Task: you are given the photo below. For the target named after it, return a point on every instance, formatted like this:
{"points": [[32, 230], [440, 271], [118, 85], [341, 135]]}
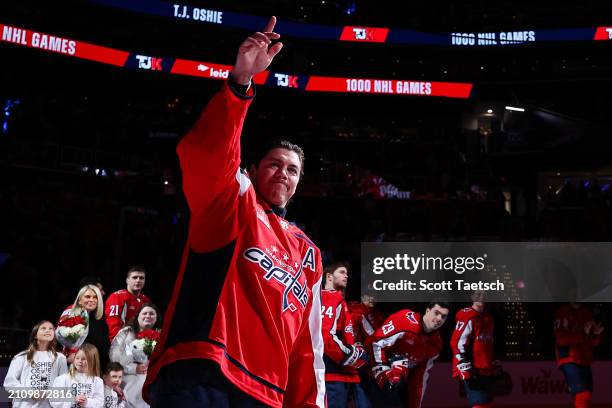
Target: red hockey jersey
{"points": [[366, 320], [120, 309], [247, 295], [401, 337], [472, 340], [573, 345], [338, 337]]}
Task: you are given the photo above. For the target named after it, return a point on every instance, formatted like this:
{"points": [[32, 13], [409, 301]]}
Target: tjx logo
{"points": [[289, 81], [362, 34], [154, 64]]}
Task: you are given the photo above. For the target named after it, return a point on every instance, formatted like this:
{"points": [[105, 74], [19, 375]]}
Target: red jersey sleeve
{"points": [[212, 180], [393, 329], [338, 337], [462, 337], [113, 310]]}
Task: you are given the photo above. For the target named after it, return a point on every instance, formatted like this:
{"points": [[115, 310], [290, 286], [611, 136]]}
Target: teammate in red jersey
{"points": [[243, 326], [121, 306], [343, 356], [404, 350], [472, 345], [366, 319], [576, 333]]}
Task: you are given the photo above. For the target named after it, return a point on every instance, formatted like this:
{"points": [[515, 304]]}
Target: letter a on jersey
{"points": [[309, 261]]}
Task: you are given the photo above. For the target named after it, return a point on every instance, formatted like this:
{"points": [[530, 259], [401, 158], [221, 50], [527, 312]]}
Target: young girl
{"points": [[84, 380], [37, 366], [134, 369]]}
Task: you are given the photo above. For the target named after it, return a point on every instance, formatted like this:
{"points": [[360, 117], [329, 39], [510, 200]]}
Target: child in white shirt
{"points": [[113, 374], [83, 379], [36, 367]]}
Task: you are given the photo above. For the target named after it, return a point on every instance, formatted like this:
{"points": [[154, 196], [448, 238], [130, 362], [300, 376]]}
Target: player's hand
{"points": [[387, 378], [142, 368], [597, 329], [465, 369], [588, 326], [256, 53], [357, 357]]}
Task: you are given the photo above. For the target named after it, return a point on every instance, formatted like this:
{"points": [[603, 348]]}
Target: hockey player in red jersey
{"points": [[243, 326], [576, 333], [121, 306], [472, 345], [343, 356], [404, 350], [366, 319]]}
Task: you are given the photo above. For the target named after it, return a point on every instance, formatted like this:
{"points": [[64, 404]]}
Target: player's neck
{"points": [[134, 292], [478, 308]]}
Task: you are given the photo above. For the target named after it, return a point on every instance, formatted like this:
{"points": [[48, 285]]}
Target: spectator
{"points": [[37, 366], [93, 280], [84, 379], [134, 369], [122, 305], [89, 299], [113, 394]]}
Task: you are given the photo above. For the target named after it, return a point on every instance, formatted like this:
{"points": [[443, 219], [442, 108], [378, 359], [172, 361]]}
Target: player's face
{"points": [[277, 176], [340, 278], [147, 317], [368, 300], [434, 318], [45, 332], [89, 300], [113, 379], [136, 281]]}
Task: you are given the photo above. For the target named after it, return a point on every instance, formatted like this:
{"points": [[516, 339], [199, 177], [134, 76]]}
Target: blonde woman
{"points": [[89, 299], [84, 379], [37, 366]]}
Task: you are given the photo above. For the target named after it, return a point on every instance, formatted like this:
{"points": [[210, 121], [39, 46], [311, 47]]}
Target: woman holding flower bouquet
{"points": [[132, 348], [83, 321], [37, 366]]}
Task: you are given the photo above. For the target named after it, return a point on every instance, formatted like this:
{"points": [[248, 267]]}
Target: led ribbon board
{"points": [[184, 12], [79, 49]]}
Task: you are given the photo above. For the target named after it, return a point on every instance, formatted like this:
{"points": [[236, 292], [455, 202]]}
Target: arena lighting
{"points": [[366, 34], [310, 83], [515, 109], [489, 110]]}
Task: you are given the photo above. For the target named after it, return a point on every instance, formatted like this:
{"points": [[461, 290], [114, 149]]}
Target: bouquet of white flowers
{"points": [[143, 346], [73, 328]]}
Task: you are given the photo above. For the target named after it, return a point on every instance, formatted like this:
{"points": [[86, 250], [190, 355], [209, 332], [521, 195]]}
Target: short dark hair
{"points": [[330, 268], [281, 144], [445, 305], [112, 366], [135, 268]]}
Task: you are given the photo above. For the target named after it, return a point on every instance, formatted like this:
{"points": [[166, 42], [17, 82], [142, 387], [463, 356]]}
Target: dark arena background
{"points": [[421, 121]]}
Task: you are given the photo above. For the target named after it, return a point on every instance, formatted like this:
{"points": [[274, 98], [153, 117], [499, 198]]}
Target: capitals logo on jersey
{"points": [[285, 275]]}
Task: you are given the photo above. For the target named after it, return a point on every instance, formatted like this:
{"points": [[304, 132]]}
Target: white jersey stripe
{"points": [[316, 337]]}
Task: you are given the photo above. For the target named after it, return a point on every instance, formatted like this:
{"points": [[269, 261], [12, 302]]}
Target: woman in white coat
{"points": [[36, 367], [122, 351]]}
